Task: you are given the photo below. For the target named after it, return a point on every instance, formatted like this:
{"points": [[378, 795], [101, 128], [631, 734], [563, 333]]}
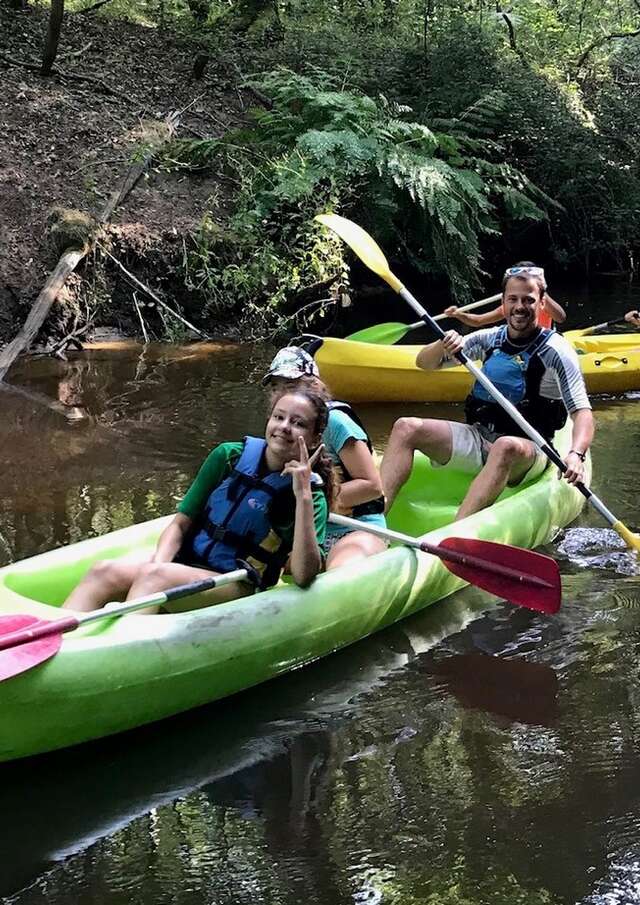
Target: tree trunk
{"points": [[53, 36]]}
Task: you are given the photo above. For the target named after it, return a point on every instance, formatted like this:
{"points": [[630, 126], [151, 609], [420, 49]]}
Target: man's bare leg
{"points": [[510, 458], [428, 435]]}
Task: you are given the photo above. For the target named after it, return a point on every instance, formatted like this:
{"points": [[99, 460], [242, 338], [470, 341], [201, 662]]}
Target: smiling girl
{"points": [[253, 502]]}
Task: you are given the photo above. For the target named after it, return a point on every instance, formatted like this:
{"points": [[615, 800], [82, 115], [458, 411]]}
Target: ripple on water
{"points": [[622, 884], [598, 548]]}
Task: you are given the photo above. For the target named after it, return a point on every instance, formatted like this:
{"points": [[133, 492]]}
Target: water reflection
{"points": [[412, 768]]}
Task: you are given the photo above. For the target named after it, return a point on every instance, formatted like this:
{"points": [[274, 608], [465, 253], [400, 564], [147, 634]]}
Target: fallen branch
{"points": [[257, 94], [13, 62], [599, 42], [134, 279], [73, 337], [92, 8], [94, 163], [142, 323], [72, 257], [70, 77], [102, 86], [41, 307], [76, 53], [137, 169]]}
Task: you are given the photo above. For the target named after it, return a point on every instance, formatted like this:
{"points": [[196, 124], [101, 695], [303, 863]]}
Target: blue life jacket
{"points": [[236, 524], [517, 373], [371, 506]]}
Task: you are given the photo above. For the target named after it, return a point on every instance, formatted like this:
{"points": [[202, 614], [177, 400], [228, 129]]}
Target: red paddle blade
{"points": [[519, 576], [19, 659]]}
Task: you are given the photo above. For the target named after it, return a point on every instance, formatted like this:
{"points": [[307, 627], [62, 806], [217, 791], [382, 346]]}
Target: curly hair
{"points": [[323, 465], [280, 385]]}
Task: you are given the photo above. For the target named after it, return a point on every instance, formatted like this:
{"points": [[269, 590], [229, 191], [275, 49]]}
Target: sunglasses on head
{"points": [[532, 271]]}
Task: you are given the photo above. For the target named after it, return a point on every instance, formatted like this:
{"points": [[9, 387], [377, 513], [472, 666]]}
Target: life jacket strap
{"points": [[220, 534], [246, 482]]}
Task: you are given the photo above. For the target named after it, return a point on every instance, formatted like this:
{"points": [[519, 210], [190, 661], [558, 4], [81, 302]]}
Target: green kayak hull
{"points": [[117, 674]]}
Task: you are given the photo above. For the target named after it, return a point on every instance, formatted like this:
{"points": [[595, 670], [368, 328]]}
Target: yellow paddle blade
{"points": [[632, 540], [363, 245]]}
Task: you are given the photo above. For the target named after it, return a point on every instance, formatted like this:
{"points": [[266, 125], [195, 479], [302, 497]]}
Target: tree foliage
{"points": [[434, 193], [462, 134]]}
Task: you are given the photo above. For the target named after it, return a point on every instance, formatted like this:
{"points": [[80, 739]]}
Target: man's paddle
{"points": [[520, 576], [26, 641], [371, 254], [387, 334]]}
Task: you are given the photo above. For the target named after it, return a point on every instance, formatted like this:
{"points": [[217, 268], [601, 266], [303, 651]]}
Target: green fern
{"points": [[435, 193]]}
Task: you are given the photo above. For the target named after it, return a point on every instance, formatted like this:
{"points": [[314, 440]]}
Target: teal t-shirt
{"points": [[339, 430], [216, 467]]}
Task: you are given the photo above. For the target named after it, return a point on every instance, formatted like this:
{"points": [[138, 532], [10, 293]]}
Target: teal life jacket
{"points": [[236, 526], [517, 373], [371, 506]]}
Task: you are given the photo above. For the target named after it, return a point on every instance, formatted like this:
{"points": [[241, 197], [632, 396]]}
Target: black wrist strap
{"points": [[580, 455]]}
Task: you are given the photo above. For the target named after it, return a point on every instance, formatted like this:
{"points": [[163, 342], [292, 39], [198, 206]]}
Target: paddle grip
{"points": [[194, 587], [161, 597], [39, 630]]}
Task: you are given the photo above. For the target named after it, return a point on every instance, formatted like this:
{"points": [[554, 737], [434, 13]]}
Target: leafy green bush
{"points": [[427, 195]]}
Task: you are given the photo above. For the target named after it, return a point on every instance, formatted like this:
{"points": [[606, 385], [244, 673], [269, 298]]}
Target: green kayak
{"points": [[116, 674]]}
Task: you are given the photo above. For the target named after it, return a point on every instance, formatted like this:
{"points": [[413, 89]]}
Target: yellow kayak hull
{"points": [[363, 372]]}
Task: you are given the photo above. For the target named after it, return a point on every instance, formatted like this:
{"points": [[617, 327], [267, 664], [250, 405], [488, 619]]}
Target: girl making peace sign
{"points": [[253, 502]]}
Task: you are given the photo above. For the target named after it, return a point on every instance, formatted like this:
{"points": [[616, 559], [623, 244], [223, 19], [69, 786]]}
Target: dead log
{"points": [[137, 169], [41, 307], [72, 256]]}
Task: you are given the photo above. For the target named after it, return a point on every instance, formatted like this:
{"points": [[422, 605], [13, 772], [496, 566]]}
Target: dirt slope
{"points": [[66, 142]]}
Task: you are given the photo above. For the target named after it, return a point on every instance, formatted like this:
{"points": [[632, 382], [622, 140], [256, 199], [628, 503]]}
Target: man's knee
{"points": [[409, 431], [507, 451]]}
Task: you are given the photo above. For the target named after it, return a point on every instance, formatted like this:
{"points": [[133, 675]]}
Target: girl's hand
{"points": [[300, 469], [632, 317], [451, 311]]}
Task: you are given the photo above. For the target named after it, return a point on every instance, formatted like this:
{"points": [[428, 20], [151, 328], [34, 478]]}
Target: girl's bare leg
{"points": [[353, 546]]}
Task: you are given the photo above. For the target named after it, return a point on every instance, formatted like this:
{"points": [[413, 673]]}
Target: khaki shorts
{"points": [[470, 445]]}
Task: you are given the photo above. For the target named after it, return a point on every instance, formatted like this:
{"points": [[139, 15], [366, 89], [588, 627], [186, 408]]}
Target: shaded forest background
{"points": [[463, 135]]}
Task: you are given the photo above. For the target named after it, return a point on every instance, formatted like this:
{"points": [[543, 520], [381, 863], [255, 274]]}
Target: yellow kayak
{"points": [[363, 372]]}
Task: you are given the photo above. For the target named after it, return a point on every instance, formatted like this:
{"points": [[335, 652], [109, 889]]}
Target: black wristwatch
{"points": [[581, 456]]}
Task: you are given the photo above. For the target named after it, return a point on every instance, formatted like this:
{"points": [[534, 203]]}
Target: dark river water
{"points": [[410, 769]]}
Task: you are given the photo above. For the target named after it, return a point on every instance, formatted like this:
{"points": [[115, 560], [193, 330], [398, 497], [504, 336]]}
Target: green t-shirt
{"points": [[216, 467]]}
